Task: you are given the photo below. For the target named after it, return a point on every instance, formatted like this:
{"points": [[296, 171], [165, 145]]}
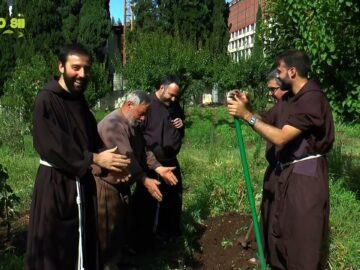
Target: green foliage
{"points": [[8, 200], [226, 243], [22, 168], [213, 183], [98, 85], [222, 180], [43, 25], [70, 11], [7, 53], [4, 9], [201, 133], [200, 23], [146, 14], [27, 79], [11, 261], [328, 31], [12, 129], [344, 217], [7, 59], [217, 36], [153, 55], [94, 27]]}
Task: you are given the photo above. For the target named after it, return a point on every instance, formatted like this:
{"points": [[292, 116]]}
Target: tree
{"points": [[204, 23], [189, 21], [95, 27], [23, 84], [217, 34], [43, 26], [329, 32], [7, 53], [146, 14], [70, 11]]}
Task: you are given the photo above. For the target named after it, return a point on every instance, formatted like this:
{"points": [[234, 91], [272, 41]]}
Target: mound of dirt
{"points": [[220, 244]]}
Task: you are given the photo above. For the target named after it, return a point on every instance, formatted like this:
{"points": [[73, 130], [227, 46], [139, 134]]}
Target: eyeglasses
{"points": [[273, 89]]}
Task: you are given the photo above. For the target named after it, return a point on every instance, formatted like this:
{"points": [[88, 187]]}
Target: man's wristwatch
{"points": [[252, 120]]}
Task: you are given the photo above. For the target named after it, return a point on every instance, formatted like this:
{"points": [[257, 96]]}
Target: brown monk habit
{"points": [[298, 218], [165, 141], [115, 218], [64, 135]]}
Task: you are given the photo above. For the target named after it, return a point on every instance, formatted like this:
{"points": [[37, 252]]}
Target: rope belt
{"points": [[80, 262], [45, 163], [284, 165]]}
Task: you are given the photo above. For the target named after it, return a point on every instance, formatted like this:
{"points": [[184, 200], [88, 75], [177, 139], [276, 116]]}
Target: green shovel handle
{"points": [[250, 192]]}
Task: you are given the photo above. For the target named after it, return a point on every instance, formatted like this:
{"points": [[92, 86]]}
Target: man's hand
{"points": [[177, 122], [238, 108], [167, 174], [120, 177], [152, 187], [111, 161], [242, 95]]}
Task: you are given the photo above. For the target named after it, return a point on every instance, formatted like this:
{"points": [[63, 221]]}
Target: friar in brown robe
{"points": [[163, 131], [121, 128], [303, 134], [280, 96], [66, 138]]}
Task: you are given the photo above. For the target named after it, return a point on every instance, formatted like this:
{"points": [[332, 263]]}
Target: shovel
{"points": [[250, 193], [244, 240]]}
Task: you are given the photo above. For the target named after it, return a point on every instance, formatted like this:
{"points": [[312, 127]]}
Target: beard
{"points": [[285, 85], [163, 99], [132, 121], [74, 85]]}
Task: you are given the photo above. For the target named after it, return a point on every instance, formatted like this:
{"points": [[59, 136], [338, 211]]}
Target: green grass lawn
{"points": [[213, 181]]}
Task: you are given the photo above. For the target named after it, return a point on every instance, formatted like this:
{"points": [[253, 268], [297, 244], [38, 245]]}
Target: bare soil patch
{"points": [[220, 243]]}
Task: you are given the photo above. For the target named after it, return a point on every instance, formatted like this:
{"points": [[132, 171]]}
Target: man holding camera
{"points": [[302, 135]]}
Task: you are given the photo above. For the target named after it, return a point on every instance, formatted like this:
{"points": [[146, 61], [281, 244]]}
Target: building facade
{"points": [[242, 24]]}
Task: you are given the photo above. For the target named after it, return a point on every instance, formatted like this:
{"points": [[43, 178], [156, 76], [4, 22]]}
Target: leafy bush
{"points": [[23, 85], [201, 133], [12, 129], [225, 136], [98, 85], [8, 200], [153, 55], [329, 32]]}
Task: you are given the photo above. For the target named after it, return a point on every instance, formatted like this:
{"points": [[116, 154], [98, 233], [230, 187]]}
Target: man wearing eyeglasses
{"points": [[302, 134], [275, 86]]}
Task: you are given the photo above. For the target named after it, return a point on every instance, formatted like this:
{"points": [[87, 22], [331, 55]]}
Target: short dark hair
{"points": [[74, 48], [295, 58], [169, 80]]}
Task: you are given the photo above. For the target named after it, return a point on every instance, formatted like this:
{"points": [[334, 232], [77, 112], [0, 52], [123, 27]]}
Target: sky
{"points": [[117, 9]]}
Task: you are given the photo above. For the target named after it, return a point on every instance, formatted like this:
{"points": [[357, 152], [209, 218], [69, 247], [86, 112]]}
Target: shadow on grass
{"points": [[180, 254], [12, 250], [174, 255], [345, 166]]}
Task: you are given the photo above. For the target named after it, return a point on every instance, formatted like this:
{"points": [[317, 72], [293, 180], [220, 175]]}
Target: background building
{"points": [[242, 24]]}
